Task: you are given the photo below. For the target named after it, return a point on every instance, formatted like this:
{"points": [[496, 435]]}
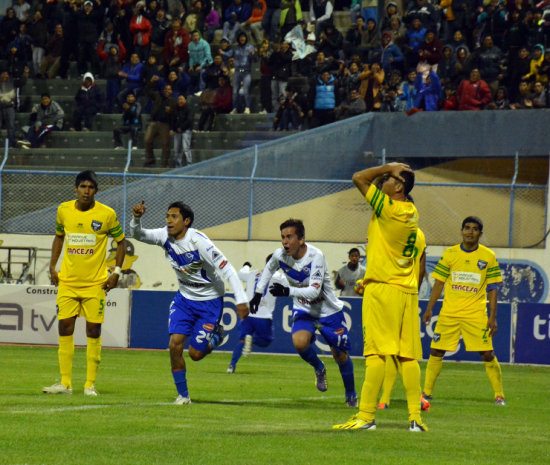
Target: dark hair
{"points": [[408, 185], [352, 250], [45, 94], [87, 175], [473, 219], [184, 209], [297, 225]]}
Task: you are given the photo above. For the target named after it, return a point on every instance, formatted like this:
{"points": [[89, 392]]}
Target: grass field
{"points": [[269, 412]]}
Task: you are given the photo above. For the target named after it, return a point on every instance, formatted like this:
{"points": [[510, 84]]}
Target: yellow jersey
{"points": [[391, 241], [85, 246], [419, 248], [466, 275]]}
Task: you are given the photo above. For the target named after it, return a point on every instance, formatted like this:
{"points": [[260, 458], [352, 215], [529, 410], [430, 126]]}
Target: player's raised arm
{"points": [[363, 179]]}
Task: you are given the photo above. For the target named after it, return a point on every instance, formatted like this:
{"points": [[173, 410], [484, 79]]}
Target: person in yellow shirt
{"points": [[470, 274], [390, 300], [82, 230]]}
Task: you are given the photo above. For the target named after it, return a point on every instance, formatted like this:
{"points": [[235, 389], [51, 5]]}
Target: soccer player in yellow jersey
{"points": [[390, 301], [470, 274], [82, 229]]}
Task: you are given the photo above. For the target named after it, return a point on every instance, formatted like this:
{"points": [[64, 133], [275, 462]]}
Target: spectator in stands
{"points": [[524, 99], [9, 90], [446, 69], [450, 101], [500, 101], [544, 72], [323, 100], [243, 55], [164, 106], [132, 72], [424, 11], [176, 45], [196, 17], [354, 105], [406, 94], [22, 11], [291, 14], [70, 31], [236, 15], [492, 21], [213, 71], [392, 10], [463, 64], [9, 28], [265, 77], [489, 60], [370, 39], [331, 42], [428, 92], [211, 23], [353, 37], [516, 34], [46, 116], [539, 95], [348, 80], [112, 66], [159, 27], [429, 53], [140, 28], [289, 114], [473, 93], [253, 25], [271, 19], [38, 32], [221, 103], [372, 78], [179, 81], [280, 65], [535, 64], [131, 122], [23, 44], [88, 24], [355, 11], [88, 102], [181, 126], [320, 12], [199, 57], [415, 36], [398, 32], [388, 54], [53, 50]]}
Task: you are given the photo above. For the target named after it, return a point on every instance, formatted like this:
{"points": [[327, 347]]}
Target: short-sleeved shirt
{"points": [[85, 245], [466, 275], [391, 241]]}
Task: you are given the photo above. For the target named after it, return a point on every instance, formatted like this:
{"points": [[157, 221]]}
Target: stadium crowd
{"points": [[422, 55]]}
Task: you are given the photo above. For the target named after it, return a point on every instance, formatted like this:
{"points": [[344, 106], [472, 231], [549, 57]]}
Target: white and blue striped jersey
{"points": [[267, 304], [199, 265], [309, 281]]}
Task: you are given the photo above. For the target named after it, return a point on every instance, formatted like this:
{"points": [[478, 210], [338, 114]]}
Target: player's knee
{"points": [[195, 354], [437, 353], [487, 356]]}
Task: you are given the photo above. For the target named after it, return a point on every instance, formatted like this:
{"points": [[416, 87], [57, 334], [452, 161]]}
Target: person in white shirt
{"points": [[201, 269]]}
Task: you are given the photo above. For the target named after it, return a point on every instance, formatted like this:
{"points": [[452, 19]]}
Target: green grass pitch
{"points": [[268, 412]]}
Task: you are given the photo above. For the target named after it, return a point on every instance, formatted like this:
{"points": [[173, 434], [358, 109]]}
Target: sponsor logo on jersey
{"points": [[208, 326], [316, 285], [80, 240], [317, 275], [222, 265], [79, 251], [339, 331], [436, 337], [464, 288], [481, 264], [96, 225], [465, 277]]}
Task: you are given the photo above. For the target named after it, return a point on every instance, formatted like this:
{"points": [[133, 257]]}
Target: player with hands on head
{"points": [[82, 229], [470, 274], [315, 306], [257, 328], [201, 268]]}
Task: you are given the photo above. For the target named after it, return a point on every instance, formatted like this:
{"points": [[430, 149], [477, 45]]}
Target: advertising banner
{"points": [[532, 344], [28, 315]]}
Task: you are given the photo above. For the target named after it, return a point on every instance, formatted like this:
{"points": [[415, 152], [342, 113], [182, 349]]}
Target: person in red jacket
{"points": [[473, 93], [140, 28], [176, 42]]}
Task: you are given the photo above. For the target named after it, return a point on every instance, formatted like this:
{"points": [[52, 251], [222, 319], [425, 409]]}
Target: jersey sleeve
{"points": [[493, 272], [315, 286], [376, 199], [443, 268], [270, 268], [149, 236], [116, 230], [59, 226]]}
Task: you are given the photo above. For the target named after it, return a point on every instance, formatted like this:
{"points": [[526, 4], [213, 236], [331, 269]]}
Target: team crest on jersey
{"points": [[481, 264], [96, 225], [208, 326], [189, 256], [339, 331], [436, 337], [317, 275], [305, 271]]}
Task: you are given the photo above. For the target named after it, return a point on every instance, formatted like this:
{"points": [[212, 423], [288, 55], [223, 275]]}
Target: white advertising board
{"points": [[28, 315]]}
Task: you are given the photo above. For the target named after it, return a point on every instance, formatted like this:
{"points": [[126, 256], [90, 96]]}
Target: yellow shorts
{"points": [[390, 322], [475, 334], [87, 302]]}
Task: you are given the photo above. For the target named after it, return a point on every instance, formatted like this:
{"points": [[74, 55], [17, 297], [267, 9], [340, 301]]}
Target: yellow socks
{"points": [[494, 374], [389, 379], [65, 353], [411, 382], [93, 357], [432, 372], [374, 377]]}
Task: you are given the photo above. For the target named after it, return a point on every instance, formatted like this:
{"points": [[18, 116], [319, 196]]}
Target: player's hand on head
{"points": [[278, 290], [255, 302], [139, 209], [396, 169]]}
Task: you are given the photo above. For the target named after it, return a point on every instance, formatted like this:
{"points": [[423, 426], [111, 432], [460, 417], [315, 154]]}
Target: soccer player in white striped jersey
{"points": [[201, 269]]}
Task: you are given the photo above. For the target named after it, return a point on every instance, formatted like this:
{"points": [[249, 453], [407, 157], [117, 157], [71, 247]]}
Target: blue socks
{"points": [[180, 380], [346, 370], [310, 356], [237, 352]]}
